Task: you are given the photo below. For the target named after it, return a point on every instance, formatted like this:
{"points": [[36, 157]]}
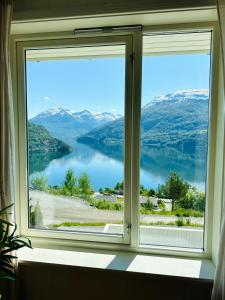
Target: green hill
{"points": [[178, 120], [40, 141]]}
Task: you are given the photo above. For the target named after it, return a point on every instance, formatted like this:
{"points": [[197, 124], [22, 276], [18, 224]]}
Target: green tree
{"points": [[142, 189], [187, 202], [151, 192], [70, 182], [40, 183], [84, 184], [175, 188], [119, 186], [108, 191], [199, 201], [193, 199], [160, 191]]}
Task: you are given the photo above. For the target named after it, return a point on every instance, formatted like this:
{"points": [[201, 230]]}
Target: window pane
{"points": [[174, 139], [76, 173]]}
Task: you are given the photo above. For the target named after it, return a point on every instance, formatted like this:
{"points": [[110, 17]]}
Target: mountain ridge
{"points": [[66, 124], [176, 120]]}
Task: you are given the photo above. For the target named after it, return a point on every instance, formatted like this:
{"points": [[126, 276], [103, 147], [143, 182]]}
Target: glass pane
{"points": [[174, 139], [75, 98]]}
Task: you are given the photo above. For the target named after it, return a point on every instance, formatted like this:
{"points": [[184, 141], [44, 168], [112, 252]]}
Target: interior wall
{"points": [[32, 9], [57, 282], [46, 281]]}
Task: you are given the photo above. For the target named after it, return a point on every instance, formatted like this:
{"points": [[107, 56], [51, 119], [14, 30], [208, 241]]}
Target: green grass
{"points": [[158, 223], [178, 212], [161, 223], [70, 224]]}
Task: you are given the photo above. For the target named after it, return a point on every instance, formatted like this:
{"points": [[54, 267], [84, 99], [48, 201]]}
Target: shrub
{"points": [[36, 216], [161, 205], [179, 222], [55, 190], [188, 222], [107, 205], [181, 212], [40, 183], [148, 205], [107, 191]]}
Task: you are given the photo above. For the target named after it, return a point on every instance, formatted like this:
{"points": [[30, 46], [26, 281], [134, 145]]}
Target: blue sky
{"points": [[98, 84]]}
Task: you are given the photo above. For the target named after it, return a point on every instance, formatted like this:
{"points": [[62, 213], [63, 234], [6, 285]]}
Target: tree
{"points": [[175, 188], [40, 183], [151, 192], [142, 189], [160, 191], [84, 184], [188, 201], [199, 201], [119, 186], [70, 182]]}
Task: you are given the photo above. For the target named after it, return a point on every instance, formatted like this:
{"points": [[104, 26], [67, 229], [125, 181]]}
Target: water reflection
{"points": [[99, 161]]}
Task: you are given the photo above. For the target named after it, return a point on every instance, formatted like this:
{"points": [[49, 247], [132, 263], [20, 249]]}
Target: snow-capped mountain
{"points": [[80, 115], [177, 120], [66, 124], [87, 115], [180, 96]]}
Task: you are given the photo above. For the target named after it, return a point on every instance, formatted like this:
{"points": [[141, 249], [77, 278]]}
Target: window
{"points": [[174, 138], [101, 161], [72, 184]]}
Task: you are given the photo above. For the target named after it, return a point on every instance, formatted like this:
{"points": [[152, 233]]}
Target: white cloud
{"points": [[46, 98]]}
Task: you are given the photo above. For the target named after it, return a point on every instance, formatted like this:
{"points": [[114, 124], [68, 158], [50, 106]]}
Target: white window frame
{"points": [[131, 242], [127, 40]]}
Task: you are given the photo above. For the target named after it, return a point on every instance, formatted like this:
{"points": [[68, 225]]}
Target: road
{"points": [[59, 209]]}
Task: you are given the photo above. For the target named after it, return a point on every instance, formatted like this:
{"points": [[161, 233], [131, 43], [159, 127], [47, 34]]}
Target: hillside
{"points": [[40, 141], [67, 125], [177, 120]]}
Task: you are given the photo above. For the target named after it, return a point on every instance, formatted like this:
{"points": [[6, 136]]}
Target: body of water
{"points": [[105, 166]]}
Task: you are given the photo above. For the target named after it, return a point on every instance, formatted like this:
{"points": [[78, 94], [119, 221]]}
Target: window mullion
{"points": [[128, 142], [136, 113]]}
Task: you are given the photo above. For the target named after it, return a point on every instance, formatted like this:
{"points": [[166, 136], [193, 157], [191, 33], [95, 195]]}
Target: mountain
{"points": [[66, 125], [40, 141], [176, 120]]}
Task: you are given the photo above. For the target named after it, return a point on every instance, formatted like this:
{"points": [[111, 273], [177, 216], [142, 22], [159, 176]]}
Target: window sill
{"points": [[148, 264]]}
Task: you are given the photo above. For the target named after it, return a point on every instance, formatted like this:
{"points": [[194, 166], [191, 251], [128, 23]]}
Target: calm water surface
{"points": [[105, 167]]}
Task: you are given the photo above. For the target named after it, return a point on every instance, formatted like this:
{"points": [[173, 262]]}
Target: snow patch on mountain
{"points": [[51, 112], [181, 96], [79, 115]]}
